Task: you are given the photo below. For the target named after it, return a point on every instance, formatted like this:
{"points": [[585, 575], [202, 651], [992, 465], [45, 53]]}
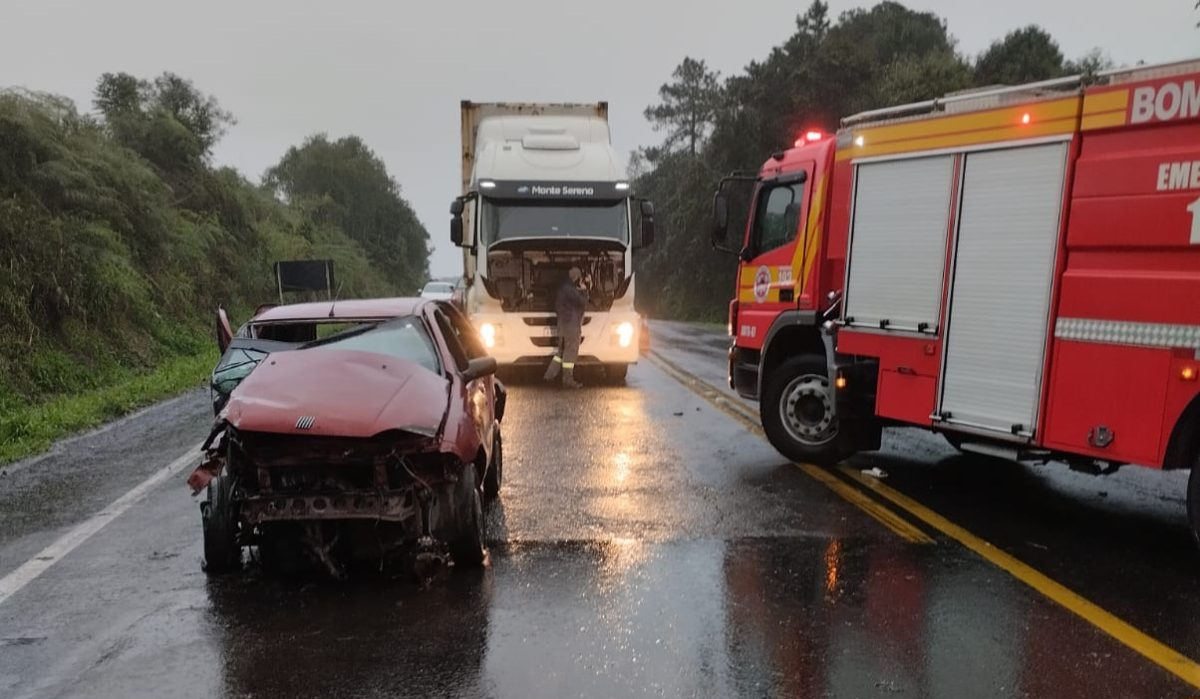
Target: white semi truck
{"points": [[542, 191]]}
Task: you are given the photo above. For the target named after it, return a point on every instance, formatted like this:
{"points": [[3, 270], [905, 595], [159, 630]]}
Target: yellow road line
{"points": [[876, 510], [1153, 650], [1150, 648], [871, 508]]}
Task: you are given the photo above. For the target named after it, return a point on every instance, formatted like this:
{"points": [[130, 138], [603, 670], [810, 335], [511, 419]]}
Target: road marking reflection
{"points": [[872, 508]]}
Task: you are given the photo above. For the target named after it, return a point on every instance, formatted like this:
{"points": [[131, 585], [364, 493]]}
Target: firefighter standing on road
{"points": [[569, 305]]}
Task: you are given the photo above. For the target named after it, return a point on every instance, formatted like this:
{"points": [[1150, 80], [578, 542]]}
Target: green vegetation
{"points": [[31, 428], [119, 238], [867, 58]]}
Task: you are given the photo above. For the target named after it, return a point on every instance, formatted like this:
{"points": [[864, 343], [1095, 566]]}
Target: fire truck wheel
{"points": [[1193, 500], [798, 413]]}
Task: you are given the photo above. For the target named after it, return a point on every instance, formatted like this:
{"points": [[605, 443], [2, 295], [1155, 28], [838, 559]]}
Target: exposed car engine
{"points": [[527, 280]]}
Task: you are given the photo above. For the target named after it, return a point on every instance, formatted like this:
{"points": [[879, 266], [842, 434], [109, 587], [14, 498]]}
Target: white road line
{"points": [[55, 552]]}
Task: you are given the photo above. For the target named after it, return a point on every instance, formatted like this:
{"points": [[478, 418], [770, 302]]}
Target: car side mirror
{"points": [[478, 368], [456, 222], [647, 228]]}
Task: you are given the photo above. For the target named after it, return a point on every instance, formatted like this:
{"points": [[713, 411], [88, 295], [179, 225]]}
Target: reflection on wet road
{"points": [[645, 544]]}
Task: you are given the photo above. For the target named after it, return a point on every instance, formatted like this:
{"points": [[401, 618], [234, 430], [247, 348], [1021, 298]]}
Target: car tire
{"points": [[495, 473], [467, 546], [797, 413], [219, 518], [614, 374]]}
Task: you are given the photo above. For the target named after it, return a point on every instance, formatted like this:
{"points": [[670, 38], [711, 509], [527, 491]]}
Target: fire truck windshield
{"points": [[506, 220]]}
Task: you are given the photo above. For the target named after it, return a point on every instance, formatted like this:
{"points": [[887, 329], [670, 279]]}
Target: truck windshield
{"points": [[507, 219]]}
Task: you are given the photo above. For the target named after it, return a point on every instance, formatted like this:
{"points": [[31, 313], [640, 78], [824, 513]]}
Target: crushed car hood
{"points": [[340, 393]]}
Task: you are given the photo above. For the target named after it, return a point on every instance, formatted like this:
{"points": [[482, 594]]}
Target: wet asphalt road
{"points": [[645, 544]]}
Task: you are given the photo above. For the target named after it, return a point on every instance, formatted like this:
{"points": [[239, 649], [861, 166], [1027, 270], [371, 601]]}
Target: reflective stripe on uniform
{"points": [[567, 365], [558, 359]]}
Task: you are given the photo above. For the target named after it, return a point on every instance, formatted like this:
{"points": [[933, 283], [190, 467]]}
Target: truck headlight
{"points": [[488, 332], [625, 334]]}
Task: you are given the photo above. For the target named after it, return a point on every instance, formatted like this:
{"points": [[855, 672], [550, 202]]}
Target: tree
{"points": [[1024, 55], [166, 119], [344, 184], [1090, 63], [867, 58], [689, 105]]}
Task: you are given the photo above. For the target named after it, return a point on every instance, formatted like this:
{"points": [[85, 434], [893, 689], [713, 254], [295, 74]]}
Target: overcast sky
{"points": [[393, 72]]}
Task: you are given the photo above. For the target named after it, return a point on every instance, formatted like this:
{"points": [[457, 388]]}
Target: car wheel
{"points": [[467, 546], [495, 472], [222, 552], [798, 414], [614, 374]]}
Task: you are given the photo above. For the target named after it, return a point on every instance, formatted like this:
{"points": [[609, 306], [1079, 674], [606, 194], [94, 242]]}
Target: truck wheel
{"points": [[222, 552], [1193, 500], [797, 412], [614, 374], [467, 546], [495, 472]]}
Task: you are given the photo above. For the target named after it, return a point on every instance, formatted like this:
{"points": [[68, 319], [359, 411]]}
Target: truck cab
{"points": [[777, 222], [543, 191]]}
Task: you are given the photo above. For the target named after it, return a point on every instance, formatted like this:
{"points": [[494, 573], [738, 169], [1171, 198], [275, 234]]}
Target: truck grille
{"points": [[542, 321], [548, 341]]}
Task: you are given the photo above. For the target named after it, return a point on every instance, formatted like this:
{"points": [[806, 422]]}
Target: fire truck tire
{"points": [[1193, 499], [222, 552], [467, 545], [797, 413]]}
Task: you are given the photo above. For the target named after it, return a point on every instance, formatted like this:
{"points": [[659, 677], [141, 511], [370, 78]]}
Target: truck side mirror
{"points": [[456, 222], [720, 218], [647, 232], [730, 210]]}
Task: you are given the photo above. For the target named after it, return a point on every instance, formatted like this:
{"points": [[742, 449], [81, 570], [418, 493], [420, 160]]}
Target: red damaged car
{"points": [[377, 442]]}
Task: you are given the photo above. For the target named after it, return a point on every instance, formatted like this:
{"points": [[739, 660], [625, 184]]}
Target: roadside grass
{"points": [[29, 429]]}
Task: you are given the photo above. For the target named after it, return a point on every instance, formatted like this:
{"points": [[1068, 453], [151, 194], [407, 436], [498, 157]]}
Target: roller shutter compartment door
{"points": [[898, 243], [1003, 266]]}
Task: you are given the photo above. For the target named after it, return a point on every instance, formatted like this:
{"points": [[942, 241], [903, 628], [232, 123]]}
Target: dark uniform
{"points": [[569, 304]]}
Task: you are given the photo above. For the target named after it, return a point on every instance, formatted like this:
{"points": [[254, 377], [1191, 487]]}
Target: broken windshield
{"points": [[402, 338]]}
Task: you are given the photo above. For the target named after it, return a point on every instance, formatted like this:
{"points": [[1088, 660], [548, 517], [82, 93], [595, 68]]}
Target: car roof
{"points": [[345, 310]]}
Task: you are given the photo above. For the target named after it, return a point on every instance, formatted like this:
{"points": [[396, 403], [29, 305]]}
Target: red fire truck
{"points": [[1017, 268]]}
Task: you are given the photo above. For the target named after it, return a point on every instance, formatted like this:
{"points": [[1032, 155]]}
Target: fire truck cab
{"points": [[1017, 268]]}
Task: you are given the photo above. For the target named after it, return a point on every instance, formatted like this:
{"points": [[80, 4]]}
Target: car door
{"points": [[224, 330], [478, 395]]}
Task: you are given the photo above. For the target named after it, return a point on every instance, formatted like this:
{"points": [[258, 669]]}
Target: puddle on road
{"points": [[759, 617]]}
